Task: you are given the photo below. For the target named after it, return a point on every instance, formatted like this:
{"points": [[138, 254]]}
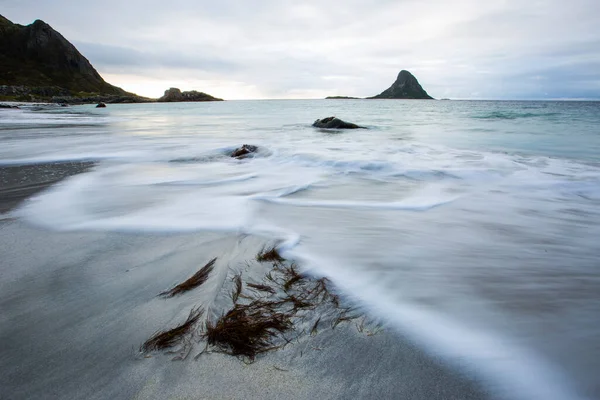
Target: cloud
{"points": [[283, 49], [130, 58]]}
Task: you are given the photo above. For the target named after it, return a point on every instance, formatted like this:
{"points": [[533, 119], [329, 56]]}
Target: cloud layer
{"points": [[503, 49]]}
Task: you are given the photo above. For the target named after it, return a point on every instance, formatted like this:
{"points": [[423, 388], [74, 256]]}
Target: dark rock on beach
{"points": [[335, 123], [242, 152], [176, 95], [405, 87]]}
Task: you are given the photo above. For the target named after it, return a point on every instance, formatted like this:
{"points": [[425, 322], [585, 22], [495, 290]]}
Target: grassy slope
{"points": [[38, 56]]}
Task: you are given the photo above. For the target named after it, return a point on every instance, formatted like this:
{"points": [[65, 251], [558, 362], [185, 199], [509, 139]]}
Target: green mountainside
{"points": [[37, 62]]}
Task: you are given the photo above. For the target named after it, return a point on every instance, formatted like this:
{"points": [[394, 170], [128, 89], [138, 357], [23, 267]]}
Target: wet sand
{"points": [[76, 306], [18, 182]]}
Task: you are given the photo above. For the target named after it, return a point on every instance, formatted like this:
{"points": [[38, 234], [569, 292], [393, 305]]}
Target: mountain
{"points": [[37, 62], [405, 87]]}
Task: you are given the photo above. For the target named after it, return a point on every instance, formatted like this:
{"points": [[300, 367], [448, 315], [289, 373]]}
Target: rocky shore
{"points": [[59, 95]]}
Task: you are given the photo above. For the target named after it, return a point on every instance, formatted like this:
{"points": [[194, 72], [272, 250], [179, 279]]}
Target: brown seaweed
{"points": [[196, 280], [172, 337], [269, 254], [261, 288], [235, 295], [248, 329]]}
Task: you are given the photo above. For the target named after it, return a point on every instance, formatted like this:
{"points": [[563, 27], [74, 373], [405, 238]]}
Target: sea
{"points": [[470, 227]]}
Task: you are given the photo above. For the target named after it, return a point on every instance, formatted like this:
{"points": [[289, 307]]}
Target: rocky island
{"points": [[176, 95], [341, 98], [405, 87]]}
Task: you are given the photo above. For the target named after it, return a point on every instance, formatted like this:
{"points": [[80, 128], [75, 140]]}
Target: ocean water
{"points": [[471, 227]]}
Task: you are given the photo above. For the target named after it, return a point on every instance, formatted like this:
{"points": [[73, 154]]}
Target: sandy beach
{"points": [[77, 306]]}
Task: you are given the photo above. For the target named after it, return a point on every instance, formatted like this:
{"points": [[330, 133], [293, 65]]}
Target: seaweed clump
{"points": [[196, 280], [269, 255], [263, 316], [271, 316], [248, 329], [167, 339]]}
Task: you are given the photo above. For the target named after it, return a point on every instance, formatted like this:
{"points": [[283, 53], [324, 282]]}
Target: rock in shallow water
{"points": [[335, 123], [101, 105], [243, 151]]}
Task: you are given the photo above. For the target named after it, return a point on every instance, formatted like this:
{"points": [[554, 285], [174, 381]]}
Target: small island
{"points": [[341, 98], [406, 86], [176, 95]]}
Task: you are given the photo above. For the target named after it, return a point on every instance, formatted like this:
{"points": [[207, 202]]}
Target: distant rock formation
{"points": [[405, 87], [335, 123], [38, 64], [176, 95], [340, 98]]}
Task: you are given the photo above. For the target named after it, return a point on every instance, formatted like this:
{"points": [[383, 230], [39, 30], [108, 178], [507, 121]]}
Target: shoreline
{"points": [[83, 302], [20, 181]]}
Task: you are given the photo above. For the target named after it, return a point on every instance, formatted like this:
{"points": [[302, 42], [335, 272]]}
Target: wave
{"points": [[49, 160], [408, 205], [209, 182], [512, 115], [524, 375], [198, 159], [43, 117]]}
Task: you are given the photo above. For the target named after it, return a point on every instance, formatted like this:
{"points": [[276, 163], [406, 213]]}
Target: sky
{"points": [[257, 49]]}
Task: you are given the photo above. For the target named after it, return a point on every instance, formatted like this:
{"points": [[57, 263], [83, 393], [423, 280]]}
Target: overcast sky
{"points": [[248, 49]]}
